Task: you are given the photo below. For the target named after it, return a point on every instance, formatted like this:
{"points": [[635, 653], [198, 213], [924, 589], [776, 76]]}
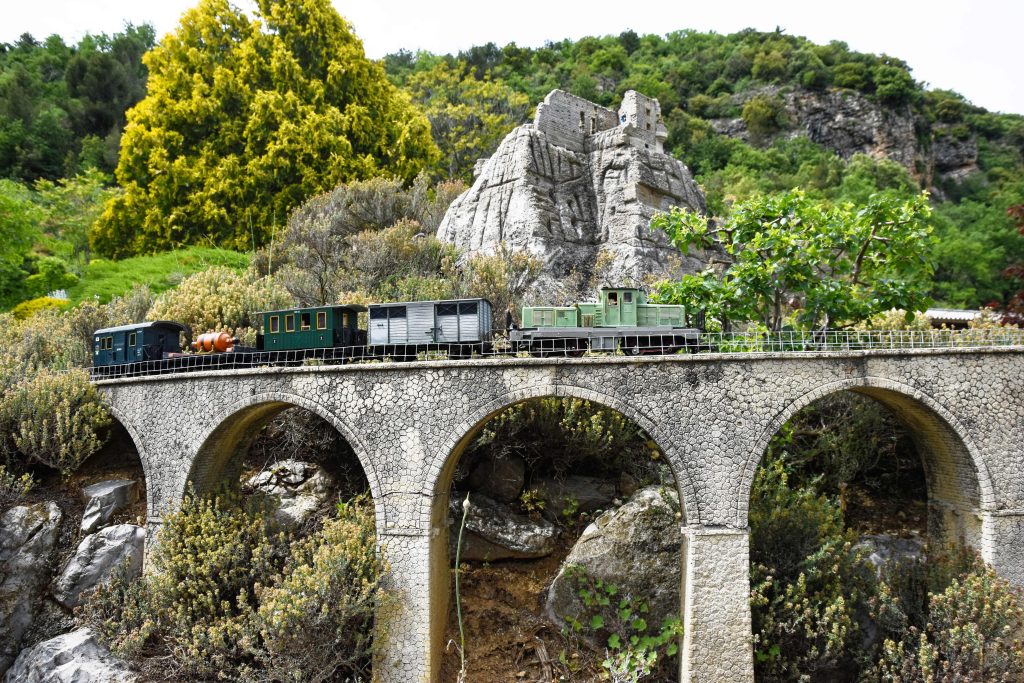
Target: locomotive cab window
{"points": [[289, 323], [108, 343], [627, 297], [321, 320], [613, 298], [132, 338], [305, 320], [274, 324]]}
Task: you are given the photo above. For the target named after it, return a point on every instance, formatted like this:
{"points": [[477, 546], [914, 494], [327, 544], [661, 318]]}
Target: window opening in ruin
{"points": [[583, 122], [593, 125]]}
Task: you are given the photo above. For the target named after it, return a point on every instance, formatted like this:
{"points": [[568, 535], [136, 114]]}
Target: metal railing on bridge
{"points": [[722, 343]]}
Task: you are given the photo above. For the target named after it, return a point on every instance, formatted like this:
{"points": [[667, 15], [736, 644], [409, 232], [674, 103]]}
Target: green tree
{"points": [[62, 107], [70, 208], [468, 116], [789, 255], [19, 221], [244, 118]]}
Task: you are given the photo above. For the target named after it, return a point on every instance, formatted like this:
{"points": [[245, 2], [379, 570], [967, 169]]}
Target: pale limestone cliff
{"points": [[579, 180]]}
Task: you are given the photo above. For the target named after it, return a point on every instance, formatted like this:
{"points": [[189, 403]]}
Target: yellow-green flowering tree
{"points": [[245, 117], [468, 116]]}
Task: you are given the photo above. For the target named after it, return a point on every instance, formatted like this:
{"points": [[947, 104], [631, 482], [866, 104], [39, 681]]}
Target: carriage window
{"points": [[447, 309], [396, 312], [321, 320], [132, 339], [275, 324], [627, 297], [108, 343], [468, 308], [378, 313], [289, 323], [613, 298], [305, 320]]}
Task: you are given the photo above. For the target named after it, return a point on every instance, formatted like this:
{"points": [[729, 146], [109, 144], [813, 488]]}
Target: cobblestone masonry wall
{"points": [[711, 415]]}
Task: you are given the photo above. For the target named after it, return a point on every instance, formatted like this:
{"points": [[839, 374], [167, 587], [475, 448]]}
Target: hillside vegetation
{"points": [[267, 163], [744, 110]]}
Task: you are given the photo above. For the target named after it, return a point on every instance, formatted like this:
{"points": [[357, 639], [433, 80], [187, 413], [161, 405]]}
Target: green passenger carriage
{"points": [[319, 327]]}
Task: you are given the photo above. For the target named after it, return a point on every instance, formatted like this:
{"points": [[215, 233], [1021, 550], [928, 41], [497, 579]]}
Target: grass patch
{"points": [[106, 279]]}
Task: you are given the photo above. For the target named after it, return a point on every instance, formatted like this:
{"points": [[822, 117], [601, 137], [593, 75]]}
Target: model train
{"points": [[621, 319]]}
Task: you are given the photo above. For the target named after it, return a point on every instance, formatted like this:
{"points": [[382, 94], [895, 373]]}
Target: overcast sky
{"points": [[971, 47]]}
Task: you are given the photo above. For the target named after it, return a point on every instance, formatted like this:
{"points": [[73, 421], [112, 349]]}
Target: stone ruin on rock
{"points": [[578, 180]]}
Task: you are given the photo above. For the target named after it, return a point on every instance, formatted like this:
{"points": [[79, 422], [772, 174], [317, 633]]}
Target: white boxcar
{"points": [[418, 323]]}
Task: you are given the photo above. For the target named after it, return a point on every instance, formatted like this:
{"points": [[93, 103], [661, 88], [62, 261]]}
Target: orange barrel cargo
{"points": [[214, 342]]}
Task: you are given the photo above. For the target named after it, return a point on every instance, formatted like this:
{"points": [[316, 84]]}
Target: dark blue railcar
{"points": [[136, 343]]}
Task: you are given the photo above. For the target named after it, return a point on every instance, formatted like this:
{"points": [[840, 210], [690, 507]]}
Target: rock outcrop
{"points": [[636, 548], [74, 657], [499, 478], [27, 536], [299, 487], [848, 122], [578, 180], [96, 559], [494, 531], [575, 493], [104, 499]]}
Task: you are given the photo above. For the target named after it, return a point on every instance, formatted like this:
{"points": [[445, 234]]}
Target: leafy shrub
{"points": [[895, 319], [55, 419], [220, 299], [27, 309], [228, 600], [196, 605], [893, 84], [763, 116], [560, 433], [633, 650], [13, 488], [972, 631], [847, 439], [503, 278], [806, 583], [317, 621], [852, 75]]}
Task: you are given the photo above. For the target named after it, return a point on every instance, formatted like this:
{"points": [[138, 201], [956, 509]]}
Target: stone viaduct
{"points": [[712, 415]]}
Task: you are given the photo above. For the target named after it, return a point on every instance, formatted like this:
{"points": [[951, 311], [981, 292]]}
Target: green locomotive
{"points": [[620, 319]]}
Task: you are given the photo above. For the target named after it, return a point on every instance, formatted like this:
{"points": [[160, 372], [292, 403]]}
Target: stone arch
{"points": [[229, 435], [444, 460], [956, 472], [441, 467], [144, 457]]}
